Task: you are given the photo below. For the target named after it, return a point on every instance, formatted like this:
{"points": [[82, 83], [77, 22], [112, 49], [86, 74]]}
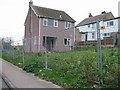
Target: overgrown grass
{"points": [[74, 69]]}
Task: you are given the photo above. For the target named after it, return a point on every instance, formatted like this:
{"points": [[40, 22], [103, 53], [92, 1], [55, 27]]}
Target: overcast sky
{"points": [[13, 12]]}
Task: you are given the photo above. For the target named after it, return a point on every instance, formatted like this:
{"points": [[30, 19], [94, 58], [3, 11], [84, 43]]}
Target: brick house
{"points": [[45, 27]]}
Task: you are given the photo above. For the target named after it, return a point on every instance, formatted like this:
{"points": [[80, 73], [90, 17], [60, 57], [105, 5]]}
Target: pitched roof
{"points": [[101, 17], [112, 19], [52, 13]]}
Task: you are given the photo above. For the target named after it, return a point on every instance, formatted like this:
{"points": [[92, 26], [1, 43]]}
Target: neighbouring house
{"points": [[108, 26], [49, 29]]}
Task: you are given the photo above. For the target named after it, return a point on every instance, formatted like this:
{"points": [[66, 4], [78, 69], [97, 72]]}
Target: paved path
{"points": [[20, 79], [4, 84]]}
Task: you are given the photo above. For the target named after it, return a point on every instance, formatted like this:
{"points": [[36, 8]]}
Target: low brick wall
{"points": [[105, 41]]}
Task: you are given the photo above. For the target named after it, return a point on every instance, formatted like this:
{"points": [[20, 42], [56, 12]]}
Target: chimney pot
{"points": [[90, 15], [103, 12], [30, 3]]}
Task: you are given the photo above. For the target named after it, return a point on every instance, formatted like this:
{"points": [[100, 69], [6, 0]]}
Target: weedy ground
{"points": [[73, 69]]}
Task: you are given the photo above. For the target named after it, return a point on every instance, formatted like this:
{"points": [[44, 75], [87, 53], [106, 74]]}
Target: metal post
{"points": [[13, 52], [99, 53], [46, 61], [23, 52]]}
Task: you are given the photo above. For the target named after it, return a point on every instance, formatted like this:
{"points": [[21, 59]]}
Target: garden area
{"points": [[73, 69]]}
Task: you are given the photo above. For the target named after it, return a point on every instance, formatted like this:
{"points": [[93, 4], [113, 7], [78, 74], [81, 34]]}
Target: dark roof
{"points": [[100, 17], [112, 19], [52, 13]]}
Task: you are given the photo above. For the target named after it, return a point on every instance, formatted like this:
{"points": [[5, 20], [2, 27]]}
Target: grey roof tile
{"points": [[52, 13], [93, 19]]}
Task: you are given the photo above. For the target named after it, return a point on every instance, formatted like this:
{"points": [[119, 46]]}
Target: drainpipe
{"points": [[46, 59], [70, 42], [39, 40]]}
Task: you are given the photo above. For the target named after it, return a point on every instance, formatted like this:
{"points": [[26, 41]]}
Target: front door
{"points": [[86, 36], [51, 42]]}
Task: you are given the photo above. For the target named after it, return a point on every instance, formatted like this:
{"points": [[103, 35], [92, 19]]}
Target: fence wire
{"points": [[78, 65]]}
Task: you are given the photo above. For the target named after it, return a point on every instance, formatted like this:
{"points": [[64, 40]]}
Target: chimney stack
{"points": [[90, 15], [30, 3], [103, 12]]}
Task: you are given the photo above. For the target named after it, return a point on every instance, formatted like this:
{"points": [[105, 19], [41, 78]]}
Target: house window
{"points": [[55, 23], [93, 26], [89, 26], [68, 25], [93, 35], [50, 22], [45, 22], [106, 34], [110, 23], [67, 41]]}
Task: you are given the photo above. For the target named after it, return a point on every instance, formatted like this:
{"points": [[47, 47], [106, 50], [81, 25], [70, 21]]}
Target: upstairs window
{"points": [[55, 23], [93, 26], [89, 26], [111, 23], [68, 25], [50, 22], [45, 21]]}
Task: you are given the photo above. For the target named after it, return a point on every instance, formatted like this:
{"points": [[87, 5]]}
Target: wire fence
{"points": [[71, 65]]}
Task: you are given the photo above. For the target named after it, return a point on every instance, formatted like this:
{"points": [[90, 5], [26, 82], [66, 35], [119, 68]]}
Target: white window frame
{"points": [[93, 26], [55, 23], [65, 25], [108, 23], [68, 25], [45, 20], [68, 41], [107, 35]]}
